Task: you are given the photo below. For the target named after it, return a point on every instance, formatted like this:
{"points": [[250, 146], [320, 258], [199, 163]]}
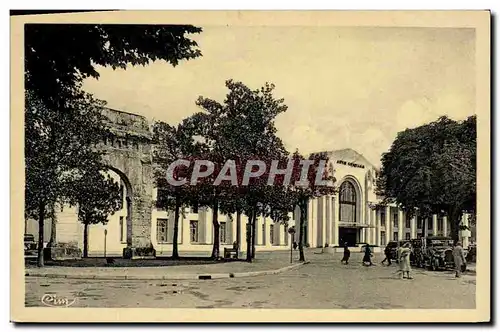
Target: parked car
{"points": [[437, 252], [30, 245], [471, 253]]}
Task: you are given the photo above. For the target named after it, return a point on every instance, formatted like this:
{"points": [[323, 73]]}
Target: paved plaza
{"points": [[324, 283]]}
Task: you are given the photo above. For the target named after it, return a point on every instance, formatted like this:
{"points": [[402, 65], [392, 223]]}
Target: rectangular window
{"points": [[407, 236], [395, 219], [440, 224], [271, 234], [419, 235], [408, 222], [222, 232], [395, 236], [382, 238], [122, 232], [193, 231], [382, 218], [429, 223], [419, 222], [161, 230]]}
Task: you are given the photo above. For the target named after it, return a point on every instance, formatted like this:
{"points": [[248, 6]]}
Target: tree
{"points": [[62, 121], [302, 193], [172, 144], [58, 57], [59, 147], [241, 129], [97, 196], [432, 169]]}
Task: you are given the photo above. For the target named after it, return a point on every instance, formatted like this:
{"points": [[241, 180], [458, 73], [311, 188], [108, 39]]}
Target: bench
{"points": [[230, 253]]}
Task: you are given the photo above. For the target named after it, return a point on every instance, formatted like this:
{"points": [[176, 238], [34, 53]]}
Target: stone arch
{"points": [[132, 160]]}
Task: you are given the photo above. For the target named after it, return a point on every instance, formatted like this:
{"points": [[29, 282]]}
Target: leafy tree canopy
{"points": [[58, 57], [432, 168]]}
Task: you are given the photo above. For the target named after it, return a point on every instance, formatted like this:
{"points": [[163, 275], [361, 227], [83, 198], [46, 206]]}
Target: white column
{"points": [[373, 223], [389, 229], [445, 225], [434, 224], [335, 221], [413, 227], [401, 225], [310, 223], [328, 222], [378, 227], [323, 220]]}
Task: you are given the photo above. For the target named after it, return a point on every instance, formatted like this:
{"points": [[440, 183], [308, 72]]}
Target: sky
{"points": [[344, 87]]}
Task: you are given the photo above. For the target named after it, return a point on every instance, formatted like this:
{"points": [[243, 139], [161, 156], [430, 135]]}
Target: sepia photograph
{"points": [[280, 161]]}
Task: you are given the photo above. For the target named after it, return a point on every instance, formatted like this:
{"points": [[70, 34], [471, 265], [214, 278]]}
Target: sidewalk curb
{"points": [[167, 277]]}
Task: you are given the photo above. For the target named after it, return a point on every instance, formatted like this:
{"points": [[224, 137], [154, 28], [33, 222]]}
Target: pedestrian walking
{"points": [[387, 253], [367, 258], [347, 254], [459, 259], [404, 260]]}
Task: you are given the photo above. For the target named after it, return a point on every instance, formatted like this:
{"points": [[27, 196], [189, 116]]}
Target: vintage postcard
{"points": [[250, 166]]}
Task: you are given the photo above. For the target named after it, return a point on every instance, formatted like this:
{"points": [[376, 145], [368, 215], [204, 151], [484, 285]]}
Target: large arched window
{"points": [[347, 202]]}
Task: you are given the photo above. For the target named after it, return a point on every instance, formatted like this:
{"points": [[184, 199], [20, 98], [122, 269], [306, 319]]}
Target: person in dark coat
{"points": [[387, 253], [367, 258], [347, 254]]}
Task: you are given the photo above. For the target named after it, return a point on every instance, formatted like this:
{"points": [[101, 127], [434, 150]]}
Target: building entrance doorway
{"points": [[348, 235]]}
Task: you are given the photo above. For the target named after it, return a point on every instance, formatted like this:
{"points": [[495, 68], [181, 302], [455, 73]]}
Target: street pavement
{"points": [[324, 283]]}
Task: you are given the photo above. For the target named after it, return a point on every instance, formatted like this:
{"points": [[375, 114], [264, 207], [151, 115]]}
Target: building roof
{"points": [[352, 156]]}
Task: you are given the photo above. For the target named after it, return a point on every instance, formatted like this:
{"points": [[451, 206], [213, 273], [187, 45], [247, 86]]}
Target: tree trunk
{"points": [[85, 240], [238, 229], [175, 246], [41, 213], [254, 230], [53, 230], [249, 237], [302, 257], [455, 216], [215, 222]]}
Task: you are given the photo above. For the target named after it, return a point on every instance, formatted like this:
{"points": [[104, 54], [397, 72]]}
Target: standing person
{"points": [[367, 258], [347, 254], [458, 259], [387, 253], [404, 260]]}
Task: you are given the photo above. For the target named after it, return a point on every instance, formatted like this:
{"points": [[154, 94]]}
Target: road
{"points": [[322, 284]]}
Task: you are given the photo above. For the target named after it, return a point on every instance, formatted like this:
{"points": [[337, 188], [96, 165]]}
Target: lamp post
{"points": [[291, 231]]}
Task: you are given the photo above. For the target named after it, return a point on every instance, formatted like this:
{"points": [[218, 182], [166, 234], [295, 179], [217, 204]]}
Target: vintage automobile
{"points": [[30, 245], [471, 253], [437, 252]]}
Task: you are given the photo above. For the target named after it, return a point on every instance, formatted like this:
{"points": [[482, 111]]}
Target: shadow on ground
{"points": [[122, 262]]}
